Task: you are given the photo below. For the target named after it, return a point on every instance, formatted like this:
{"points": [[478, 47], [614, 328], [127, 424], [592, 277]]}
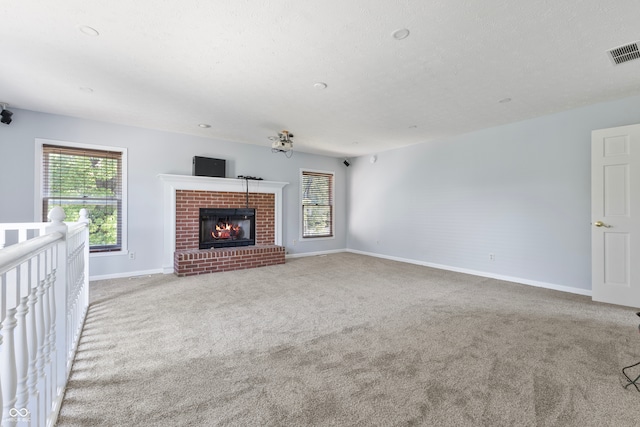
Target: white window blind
{"points": [[317, 204], [76, 178]]}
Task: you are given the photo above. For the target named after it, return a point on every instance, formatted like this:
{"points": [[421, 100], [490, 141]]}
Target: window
{"points": [[75, 177], [317, 204]]}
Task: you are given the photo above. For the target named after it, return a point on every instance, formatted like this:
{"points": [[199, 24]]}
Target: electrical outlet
{"points": [[294, 242], [492, 257], [132, 255]]}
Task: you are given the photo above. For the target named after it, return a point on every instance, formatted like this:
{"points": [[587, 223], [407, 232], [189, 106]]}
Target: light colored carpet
{"points": [[349, 340]]}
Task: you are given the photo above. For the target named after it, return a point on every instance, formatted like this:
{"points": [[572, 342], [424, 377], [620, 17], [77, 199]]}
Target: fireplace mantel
{"points": [[233, 185]]}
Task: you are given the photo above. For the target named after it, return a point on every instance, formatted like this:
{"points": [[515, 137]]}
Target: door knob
{"points": [[601, 224]]}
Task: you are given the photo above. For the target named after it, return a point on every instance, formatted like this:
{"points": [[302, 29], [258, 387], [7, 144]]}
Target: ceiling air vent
{"points": [[625, 53]]}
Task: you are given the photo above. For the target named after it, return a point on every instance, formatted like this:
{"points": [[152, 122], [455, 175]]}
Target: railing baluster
{"points": [[3, 310], [46, 349], [40, 335], [52, 337], [22, 349], [8, 354], [32, 338], [1, 406]]}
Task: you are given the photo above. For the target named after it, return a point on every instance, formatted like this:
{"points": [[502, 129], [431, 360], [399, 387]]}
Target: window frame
{"points": [[302, 237], [39, 187]]}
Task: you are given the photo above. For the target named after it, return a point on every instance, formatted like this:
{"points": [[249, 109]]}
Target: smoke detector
{"points": [[622, 54]]}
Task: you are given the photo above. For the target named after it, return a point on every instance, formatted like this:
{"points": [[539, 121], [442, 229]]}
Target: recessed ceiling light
{"points": [[86, 89], [204, 125], [320, 85], [504, 100], [400, 34], [89, 31]]}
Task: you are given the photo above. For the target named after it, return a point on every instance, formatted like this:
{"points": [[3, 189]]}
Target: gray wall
{"points": [[151, 153], [520, 191]]}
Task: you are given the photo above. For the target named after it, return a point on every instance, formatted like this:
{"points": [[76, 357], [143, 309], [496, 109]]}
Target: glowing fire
{"points": [[226, 231]]}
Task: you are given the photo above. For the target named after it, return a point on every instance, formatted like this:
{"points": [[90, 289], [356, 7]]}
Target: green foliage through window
{"points": [[76, 178]]}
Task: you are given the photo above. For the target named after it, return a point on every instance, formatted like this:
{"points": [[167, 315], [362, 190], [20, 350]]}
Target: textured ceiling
{"points": [[248, 68]]}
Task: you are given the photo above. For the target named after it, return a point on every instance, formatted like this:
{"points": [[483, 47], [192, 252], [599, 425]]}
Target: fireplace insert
{"points": [[221, 228]]}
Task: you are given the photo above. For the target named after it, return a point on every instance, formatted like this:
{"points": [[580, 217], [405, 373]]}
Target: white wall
{"points": [[151, 153], [520, 191]]}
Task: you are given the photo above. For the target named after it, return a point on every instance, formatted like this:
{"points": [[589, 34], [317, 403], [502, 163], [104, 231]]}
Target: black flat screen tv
{"points": [[206, 166]]}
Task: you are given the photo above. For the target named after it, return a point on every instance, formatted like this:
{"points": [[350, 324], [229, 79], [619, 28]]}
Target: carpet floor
{"points": [[348, 340]]}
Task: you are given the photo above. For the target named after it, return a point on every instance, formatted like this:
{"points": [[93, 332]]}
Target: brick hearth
{"points": [[189, 263], [189, 260]]}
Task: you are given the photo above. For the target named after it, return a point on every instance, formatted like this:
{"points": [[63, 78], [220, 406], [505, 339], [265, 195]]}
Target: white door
{"points": [[615, 215]]}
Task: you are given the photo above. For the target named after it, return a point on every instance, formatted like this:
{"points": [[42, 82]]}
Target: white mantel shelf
{"points": [[202, 183]]}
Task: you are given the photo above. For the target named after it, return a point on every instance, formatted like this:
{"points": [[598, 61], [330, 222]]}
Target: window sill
{"points": [[108, 254], [315, 239]]}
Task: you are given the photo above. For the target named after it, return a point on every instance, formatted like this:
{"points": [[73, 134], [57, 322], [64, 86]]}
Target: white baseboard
{"points": [[305, 254], [124, 275], [553, 286]]}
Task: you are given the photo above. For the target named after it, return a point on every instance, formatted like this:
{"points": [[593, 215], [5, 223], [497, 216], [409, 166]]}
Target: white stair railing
{"points": [[20, 231], [44, 296]]}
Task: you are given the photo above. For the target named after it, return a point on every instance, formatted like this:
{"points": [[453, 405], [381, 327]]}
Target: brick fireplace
{"points": [[185, 195]]}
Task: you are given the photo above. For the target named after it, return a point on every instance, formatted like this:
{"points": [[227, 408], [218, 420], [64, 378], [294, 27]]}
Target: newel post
{"points": [[56, 217], [84, 216]]}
